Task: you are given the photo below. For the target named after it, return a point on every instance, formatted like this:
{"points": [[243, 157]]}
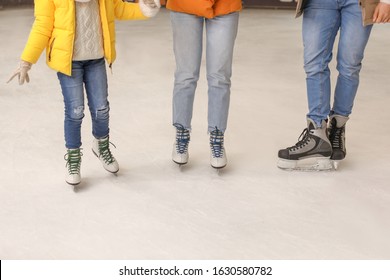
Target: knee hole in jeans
{"points": [[76, 113], [103, 112]]}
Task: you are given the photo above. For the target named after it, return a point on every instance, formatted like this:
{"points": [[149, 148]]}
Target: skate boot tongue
{"points": [[338, 121], [336, 132], [312, 125]]}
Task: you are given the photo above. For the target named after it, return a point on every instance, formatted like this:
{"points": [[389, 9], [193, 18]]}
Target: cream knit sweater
{"points": [[88, 42]]}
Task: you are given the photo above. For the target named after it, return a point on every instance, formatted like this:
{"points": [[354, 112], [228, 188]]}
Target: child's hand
{"points": [[150, 3], [21, 72], [149, 8], [382, 13]]}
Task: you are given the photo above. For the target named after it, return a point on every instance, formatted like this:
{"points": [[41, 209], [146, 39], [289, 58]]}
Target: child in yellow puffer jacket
{"points": [[79, 35]]}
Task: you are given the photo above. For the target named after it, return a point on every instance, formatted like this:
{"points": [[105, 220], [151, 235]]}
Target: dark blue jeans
{"points": [[92, 75]]}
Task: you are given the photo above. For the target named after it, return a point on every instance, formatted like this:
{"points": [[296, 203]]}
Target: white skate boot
{"points": [[101, 149], [218, 158], [72, 167], [180, 147]]}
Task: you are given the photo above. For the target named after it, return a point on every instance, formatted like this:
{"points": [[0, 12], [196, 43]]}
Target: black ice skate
{"points": [[336, 131], [312, 151]]}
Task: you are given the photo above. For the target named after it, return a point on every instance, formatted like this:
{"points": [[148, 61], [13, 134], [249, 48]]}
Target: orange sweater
{"points": [[205, 8]]}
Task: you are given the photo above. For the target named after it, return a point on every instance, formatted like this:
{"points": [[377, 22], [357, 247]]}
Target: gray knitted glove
{"points": [[149, 8]]}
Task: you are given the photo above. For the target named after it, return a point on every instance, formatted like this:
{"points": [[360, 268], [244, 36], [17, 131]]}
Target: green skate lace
{"points": [[182, 139], [216, 143], [104, 151], [73, 161]]}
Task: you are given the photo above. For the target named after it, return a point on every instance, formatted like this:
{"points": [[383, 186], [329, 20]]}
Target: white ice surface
{"points": [[154, 210]]}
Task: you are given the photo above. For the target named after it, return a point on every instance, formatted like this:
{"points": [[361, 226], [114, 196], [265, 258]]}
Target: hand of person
{"points": [[21, 72], [382, 13], [149, 8]]}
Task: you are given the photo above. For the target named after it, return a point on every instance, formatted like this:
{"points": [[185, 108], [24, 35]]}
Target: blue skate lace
{"points": [[216, 143], [182, 139], [73, 161], [104, 151]]}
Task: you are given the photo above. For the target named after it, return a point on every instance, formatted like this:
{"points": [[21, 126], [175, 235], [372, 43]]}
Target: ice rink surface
{"points": [[154, 210]]}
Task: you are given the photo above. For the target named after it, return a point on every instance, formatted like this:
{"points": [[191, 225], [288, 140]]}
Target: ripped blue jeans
{"points": [[92, 75]]}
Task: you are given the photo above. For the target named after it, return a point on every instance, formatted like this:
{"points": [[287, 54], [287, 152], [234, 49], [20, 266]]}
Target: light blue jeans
{"points": [[322, 19], [221, 33], [92, 74]]}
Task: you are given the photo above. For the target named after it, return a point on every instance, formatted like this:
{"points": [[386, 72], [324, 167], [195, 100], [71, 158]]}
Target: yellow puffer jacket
{"points": [[205, 8], [54, 29]]}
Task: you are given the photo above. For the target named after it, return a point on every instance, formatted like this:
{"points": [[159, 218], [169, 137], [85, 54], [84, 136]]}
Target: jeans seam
{"points": [[332, 31]]}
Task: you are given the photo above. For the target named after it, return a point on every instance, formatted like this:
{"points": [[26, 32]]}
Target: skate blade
{"points": [[115, 173], [75, 186], [219, 170], [336, 164], [180, 164], [310, 164]]}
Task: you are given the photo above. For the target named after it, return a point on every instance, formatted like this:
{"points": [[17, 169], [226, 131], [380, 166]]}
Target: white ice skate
{"points": [[218, 157], [101, 149], [72, 167], [180, 153]]}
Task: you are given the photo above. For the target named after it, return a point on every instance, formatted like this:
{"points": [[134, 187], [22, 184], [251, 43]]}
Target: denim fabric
{"points": [[92, 75], [221, 33], [322, 20]]}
